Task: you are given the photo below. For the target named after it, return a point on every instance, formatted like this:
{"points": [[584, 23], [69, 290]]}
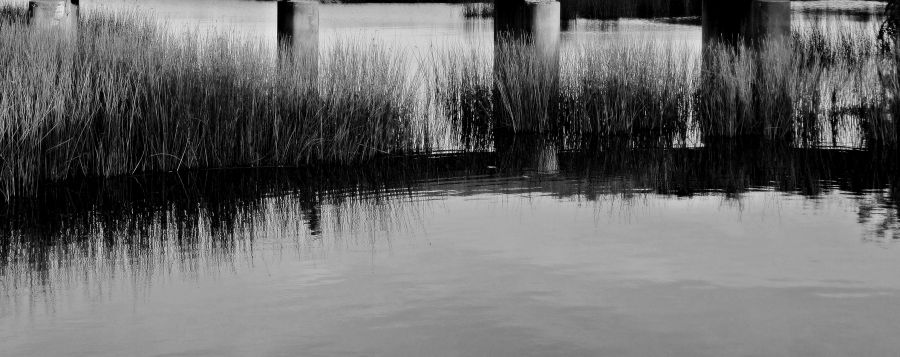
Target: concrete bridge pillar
{"points": [[746, 23], [526, 63], [298, 33], [750, 20], [534, 21], [53, 13]]}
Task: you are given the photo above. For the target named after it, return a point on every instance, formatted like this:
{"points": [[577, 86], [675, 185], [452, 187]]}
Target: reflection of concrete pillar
{"points": [[49, 13], [546, 159], [298, 32], [751, 20], [527, 152], [535, 24]]}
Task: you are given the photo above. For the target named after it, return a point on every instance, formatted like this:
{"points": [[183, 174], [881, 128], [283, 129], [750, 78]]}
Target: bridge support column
{"points": [[526, 64], [768, 112], [298, 34], [534, 21], [751, 20]]}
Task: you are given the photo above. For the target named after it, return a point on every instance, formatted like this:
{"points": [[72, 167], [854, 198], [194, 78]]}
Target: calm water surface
{"points": [[713, 251], [689, 252]]}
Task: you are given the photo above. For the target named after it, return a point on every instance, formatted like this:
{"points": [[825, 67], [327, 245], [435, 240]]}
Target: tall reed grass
{"points": [[460, 88], [124, 96], [526, 87], [632, 89], [820, 81], [813, 87], [746, 91]]}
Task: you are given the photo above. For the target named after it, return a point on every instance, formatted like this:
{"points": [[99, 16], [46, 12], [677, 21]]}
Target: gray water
{"points": [[723, 251], [715, 251]]}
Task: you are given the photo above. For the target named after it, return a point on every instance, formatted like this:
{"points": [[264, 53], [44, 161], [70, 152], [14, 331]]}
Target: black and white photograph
{"points": [[449, 178]]}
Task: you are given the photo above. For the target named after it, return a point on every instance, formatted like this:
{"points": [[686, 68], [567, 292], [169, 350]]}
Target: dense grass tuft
{"points": [[812, 88], [526, 87], [124, 96], [633, 89], [746, 92], [460, 89]]}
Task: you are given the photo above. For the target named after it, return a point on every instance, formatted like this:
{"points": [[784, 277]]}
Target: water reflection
{"points": [[407, 243], [560, 244], [149, 223]]}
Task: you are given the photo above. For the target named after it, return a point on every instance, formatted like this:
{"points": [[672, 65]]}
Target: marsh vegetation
{"points": [[172, 188], [811, 88], [123, 96], [191, 221]]}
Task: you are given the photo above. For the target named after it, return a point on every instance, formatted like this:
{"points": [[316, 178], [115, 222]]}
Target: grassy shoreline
{"points": [[807, 88], [124, 97]]}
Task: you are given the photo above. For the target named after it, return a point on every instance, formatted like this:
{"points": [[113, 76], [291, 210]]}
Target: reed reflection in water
{"points": [[203, 221], [404, 245], [608, 233]]}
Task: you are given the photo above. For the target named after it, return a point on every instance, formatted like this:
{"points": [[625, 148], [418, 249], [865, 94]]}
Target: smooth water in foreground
{"points": [[719, 250]]}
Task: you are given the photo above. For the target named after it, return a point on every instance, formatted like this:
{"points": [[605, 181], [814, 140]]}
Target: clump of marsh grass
{"points": [[789, 88], [882, 125], [633, 89], [526, 86], [838, 69], [10, 13], [745, 92], [369, 99], [812, 88], [461, 87], [828, 42], [616, 89], [124, 96]]}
